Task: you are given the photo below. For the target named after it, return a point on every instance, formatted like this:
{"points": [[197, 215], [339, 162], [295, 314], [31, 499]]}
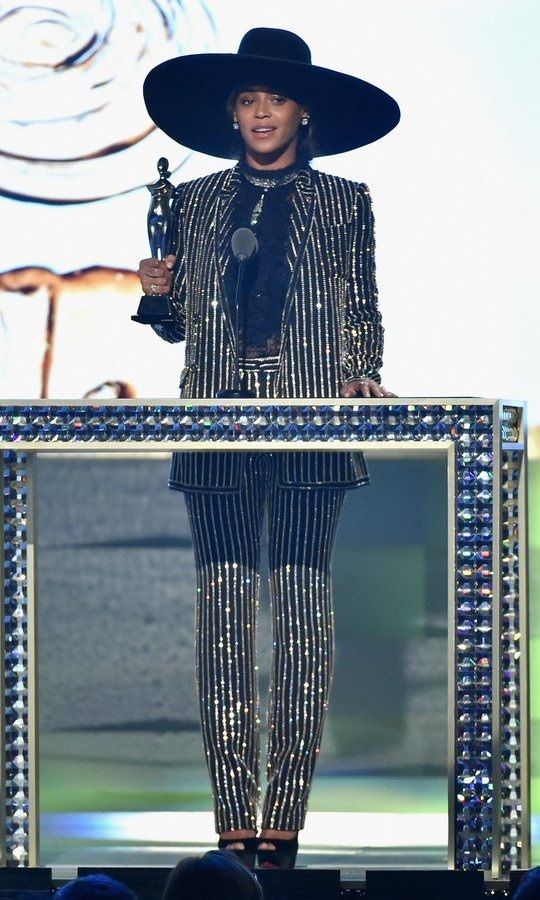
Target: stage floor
{"points": [[382, 822], [354, 821], [351, 842]]}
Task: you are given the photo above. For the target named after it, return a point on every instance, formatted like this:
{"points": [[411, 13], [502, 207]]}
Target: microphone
{"points": [[244, 244]]}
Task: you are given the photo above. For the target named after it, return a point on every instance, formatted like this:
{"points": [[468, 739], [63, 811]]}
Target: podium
{"points": [[484, 444]]}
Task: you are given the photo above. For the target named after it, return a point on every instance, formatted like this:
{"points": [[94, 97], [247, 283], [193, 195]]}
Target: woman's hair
{"points": [[218, 875], [307, 134], [90, 887], [529, 886]]}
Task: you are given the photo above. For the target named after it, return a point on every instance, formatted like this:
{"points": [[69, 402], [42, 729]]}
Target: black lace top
{"points": [[263, 203]]}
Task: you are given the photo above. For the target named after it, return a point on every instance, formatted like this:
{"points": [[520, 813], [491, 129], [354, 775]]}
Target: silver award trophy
{"points": [[155, 308]]}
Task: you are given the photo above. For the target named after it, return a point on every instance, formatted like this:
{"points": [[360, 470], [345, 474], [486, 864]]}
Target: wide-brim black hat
{"points": [[187, 97]]}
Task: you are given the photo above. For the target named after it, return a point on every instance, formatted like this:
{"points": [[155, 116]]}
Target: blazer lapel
{"points": [[301, 221], [222, 246]]}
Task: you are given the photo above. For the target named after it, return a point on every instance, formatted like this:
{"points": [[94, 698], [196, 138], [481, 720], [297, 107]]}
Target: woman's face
{"points": [[268, 123]]}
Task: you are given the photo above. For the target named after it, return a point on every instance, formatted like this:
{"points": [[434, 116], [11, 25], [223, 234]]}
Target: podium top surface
{"points": [[252, 401], [270, 424]]}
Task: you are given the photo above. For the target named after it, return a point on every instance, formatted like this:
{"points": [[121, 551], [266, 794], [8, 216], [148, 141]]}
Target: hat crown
{"points": [[275, 43]]}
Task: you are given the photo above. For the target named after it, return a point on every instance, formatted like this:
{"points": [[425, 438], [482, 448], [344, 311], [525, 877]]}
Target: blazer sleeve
{"points": [[176, 330], [363, 330]]}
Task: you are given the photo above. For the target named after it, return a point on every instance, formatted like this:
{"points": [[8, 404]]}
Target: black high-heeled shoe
{"points": [[283, 857], [247, 855]]}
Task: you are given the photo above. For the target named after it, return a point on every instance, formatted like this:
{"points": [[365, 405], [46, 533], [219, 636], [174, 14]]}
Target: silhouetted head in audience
{"points": [[94, 887], [529, 886], [218, 875]]}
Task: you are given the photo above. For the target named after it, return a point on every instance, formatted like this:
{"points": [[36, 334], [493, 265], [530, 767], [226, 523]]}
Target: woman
{"points": [[309, 326]]}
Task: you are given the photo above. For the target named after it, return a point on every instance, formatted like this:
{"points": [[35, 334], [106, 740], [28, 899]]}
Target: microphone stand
{"points": [[237, 392]]}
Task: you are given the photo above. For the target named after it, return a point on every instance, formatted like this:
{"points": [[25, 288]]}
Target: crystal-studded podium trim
{"points": [[487, 785], [17, 750], [228, 423], [514, 763]]}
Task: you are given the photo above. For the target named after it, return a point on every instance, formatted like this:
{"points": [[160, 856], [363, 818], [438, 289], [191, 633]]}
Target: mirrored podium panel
{"points": [[119, 734], [429, 707]]}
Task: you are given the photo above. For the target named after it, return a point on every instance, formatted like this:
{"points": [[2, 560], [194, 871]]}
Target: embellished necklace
{"points": [[266, 181], [257, 209]]}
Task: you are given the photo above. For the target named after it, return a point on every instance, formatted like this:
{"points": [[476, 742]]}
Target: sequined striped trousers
{"points": [[226, 531]]}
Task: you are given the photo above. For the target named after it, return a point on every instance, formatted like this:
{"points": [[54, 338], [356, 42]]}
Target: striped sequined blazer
{"points": [[331, 326]]}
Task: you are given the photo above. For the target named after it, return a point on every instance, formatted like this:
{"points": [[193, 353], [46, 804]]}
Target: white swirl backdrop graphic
{"points": [[74, 124]]}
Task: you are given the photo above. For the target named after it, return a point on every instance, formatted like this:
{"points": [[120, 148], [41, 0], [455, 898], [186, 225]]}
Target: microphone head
{"points": [[244, 244]]}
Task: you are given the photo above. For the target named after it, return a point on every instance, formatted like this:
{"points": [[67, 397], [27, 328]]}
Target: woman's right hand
{"points": [[156, 275]]}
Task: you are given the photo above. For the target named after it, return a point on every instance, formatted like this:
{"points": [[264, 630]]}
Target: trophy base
{"points": [[154, 309], [152, 320]]}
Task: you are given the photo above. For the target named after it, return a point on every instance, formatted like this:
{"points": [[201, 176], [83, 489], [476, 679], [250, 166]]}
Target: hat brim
{"points": [[186, 97]]}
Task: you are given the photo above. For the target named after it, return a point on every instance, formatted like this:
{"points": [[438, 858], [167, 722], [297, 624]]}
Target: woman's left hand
{"points": [[364, 387]]}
